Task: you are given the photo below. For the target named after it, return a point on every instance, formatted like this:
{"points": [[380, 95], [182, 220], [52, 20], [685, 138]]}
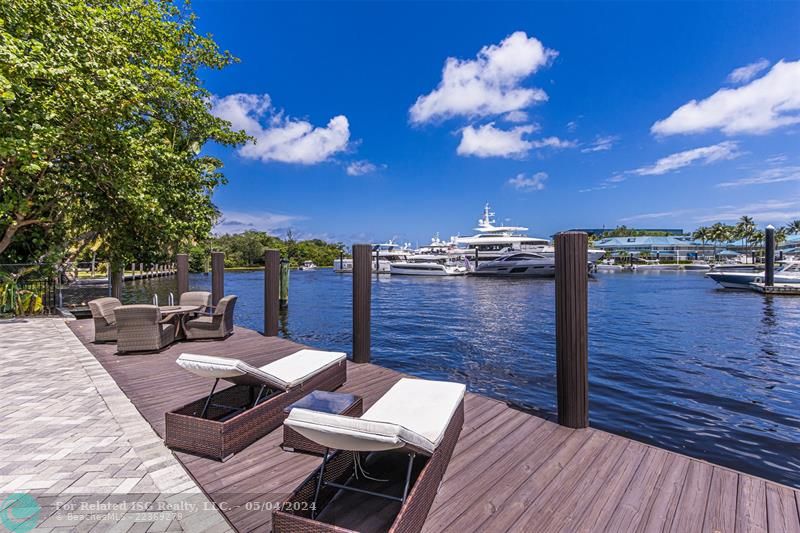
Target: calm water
{"points": [[674, 361]]}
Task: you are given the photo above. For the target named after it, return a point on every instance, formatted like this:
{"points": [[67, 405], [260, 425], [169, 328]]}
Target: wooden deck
{"points": [[511, 471]]}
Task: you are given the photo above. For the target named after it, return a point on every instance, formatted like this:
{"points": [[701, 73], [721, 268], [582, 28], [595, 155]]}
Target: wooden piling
{"points": [[217, 276], [769, 250], [572, 338], [115, 279], [284, 289], [272, 272], [182, 261], [362, 300]]}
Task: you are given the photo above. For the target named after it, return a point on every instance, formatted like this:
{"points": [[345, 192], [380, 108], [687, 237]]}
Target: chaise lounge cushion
{"points": [[282, 374], [414, 412], [298, 367]]}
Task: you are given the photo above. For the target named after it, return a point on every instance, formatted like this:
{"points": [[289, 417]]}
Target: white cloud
{"points": [[706, 154], [239, 221], [653, 216], [534, 183], [572, 125], [767, 211], [516, 116], [283, 139], [747, 72], [763, 105], [553, 142], [359, 168], [770, 175], [764, 212], [488, 141], [601, 144], [488, 84]]}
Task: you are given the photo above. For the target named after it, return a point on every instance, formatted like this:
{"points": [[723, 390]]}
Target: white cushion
{"points": [[282, 374], [298, 367], [227, 368], [413, 411]]}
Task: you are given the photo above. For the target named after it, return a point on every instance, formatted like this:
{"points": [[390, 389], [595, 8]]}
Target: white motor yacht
{"points": [[518, 264], [430, 265], [738, 278], [308, 265], [491, 241]]}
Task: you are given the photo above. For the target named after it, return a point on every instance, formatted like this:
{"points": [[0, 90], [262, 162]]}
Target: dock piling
{"points": [[272, 271], [769, 250], [572, 339], [217, 277], [115, 278], [284, 292], [182, 261], [362, 300]]}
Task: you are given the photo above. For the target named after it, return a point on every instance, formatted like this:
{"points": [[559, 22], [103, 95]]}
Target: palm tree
{"points": [[719, 233], [793, 228], [703, 233], [744, 230]]}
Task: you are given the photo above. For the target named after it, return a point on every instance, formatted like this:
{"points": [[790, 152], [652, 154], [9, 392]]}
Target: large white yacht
{"points": [[492, 242]]}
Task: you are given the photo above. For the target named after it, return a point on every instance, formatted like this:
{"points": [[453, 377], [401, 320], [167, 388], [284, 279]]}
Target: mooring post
{"points": [[377, 260], [341, 260], [769, 249], [217, 277], [476, 259], [572, 338], [272, 273], [115, 278], [362, 300], [284, 293], [182, 261]]}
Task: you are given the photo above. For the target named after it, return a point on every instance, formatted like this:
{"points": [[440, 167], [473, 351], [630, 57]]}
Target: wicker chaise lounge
{"points": [[420, 419], [216, 326], [105, 323], [225, 422], [141, 329]]}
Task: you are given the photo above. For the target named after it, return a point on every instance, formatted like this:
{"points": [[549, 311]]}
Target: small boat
{"points": [[518, 264], [308, 265], [741, 278]]}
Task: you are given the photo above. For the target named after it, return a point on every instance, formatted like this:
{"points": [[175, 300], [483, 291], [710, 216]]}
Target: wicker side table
{"points": [[336, 403]]}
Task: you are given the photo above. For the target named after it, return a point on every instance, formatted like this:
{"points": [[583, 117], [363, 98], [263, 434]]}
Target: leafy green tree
{"points": [[102, 121]]}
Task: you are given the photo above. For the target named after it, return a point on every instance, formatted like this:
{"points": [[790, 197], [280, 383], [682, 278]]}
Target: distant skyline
{"points": [[401, 120]]}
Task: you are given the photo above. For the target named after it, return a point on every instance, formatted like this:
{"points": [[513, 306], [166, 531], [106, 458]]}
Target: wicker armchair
{"points": [[140, 329], [198, 298], [105, 324], [216, 326]]}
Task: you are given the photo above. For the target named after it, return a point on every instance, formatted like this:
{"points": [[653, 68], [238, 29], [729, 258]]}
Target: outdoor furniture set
{"points": [[149, 328]]}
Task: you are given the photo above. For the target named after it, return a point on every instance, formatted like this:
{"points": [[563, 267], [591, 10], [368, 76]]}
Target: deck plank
{"points": [[510, 471], [721, 507]]}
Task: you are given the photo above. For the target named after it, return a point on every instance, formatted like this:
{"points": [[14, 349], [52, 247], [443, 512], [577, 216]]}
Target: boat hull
{"points": [[519, 271], [424, 269]]}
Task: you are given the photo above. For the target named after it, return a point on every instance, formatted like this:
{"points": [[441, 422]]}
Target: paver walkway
{"points": [[71, 439]]}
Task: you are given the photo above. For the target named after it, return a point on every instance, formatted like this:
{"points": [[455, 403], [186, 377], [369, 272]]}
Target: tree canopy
{"points": [[102, 121], [247, 249]]}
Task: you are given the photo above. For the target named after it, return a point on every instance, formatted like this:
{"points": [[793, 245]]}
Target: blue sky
{"points": [[560, 115]]}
